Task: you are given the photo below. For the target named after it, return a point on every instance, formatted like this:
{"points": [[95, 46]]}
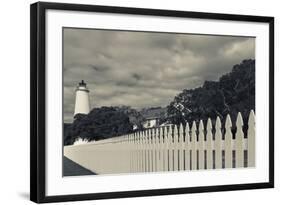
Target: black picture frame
{"points": [[38, 101]]}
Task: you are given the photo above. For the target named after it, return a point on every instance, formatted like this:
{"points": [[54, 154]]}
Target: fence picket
{"points": [[175, 149], [251, 139], [228, 142], [143, 148], [181, 148], [239, 138], [151, 160], [170, 150], [134, 148], [193, 146], [201, 147], [156, 154], [158, 149], [209, 151], [137, 153], [166, 150], [161, 150], [154, 149], [131, 151], [187, 147], [150, 157], [218, 144], [146, 160]]}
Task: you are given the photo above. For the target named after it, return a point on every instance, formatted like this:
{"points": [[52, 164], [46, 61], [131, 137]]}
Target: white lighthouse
{"points": [[82, 101]]}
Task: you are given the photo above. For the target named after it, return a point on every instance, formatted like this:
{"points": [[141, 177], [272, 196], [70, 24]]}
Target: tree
{"points": [[233, 93], [100, 123]]}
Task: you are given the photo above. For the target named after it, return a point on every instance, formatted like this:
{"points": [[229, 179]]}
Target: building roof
{"points": [[153, 113]]}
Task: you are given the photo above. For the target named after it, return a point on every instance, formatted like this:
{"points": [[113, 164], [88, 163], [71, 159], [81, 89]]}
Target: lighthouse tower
{"points": [[82, 101]]}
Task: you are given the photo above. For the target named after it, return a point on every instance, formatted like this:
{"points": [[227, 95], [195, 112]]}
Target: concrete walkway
{"points": [[71, 168]]}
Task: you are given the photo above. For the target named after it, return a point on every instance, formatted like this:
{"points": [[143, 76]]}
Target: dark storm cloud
{"points": [[144, 69]]}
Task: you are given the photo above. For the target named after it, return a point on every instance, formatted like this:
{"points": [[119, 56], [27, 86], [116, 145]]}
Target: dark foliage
{"points": [[135, 117], [233, 93], [100, 123]]}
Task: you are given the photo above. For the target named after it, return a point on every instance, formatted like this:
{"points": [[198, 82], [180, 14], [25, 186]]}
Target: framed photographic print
{"points": [[129, 102]]}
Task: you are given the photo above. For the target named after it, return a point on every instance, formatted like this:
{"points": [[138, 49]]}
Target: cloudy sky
{"points": [[142, 69]]}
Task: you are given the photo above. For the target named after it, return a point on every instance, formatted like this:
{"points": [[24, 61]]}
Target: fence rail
{"points": [[171, 148]]}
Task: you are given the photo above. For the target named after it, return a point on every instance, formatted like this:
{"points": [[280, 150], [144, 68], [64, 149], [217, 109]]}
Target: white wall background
{"points": [[14, 81]]}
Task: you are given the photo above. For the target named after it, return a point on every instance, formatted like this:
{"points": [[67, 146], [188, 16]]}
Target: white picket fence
{"points": [[171, 148]]}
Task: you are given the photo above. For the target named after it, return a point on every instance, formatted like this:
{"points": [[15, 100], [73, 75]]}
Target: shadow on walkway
{"points": [[71, 168]]}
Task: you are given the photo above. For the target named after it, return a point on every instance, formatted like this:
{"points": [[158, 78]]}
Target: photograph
{"points": [[150, 102], [134, 102]]}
